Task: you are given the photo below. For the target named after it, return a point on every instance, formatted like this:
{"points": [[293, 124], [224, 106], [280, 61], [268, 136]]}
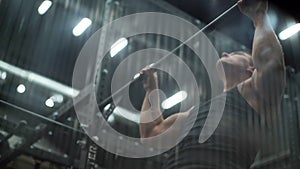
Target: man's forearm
{"points": [[151, 114], [151, 108], [266, 46]]}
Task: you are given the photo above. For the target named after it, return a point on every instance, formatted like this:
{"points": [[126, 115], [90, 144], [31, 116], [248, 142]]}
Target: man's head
{"points": [[238, 66]]}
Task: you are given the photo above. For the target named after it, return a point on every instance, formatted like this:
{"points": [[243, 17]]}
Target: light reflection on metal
{"points": [[40, 80]]}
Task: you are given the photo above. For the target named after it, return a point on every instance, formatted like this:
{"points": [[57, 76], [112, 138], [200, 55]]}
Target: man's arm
{"points": [[151, 115], [269, 77], [152, 122]]}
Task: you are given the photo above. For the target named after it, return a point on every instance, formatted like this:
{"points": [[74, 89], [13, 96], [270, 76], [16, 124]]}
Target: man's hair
{"points": [[249, 57]]}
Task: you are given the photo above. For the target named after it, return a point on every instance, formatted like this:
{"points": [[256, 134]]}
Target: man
{"points": [[254, 86]]}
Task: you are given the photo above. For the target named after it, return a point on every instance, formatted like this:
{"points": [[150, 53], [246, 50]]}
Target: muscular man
{"points": [[254, 85]]}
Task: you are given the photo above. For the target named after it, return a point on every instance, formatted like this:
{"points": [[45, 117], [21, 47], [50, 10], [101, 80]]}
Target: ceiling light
{"points": [[81, 26], [290, 31], [49, 102], [129, 115], [107, 107], [44, 7], [57, 98], [118, 46], [3, 75], [21, 88], [173, 100], [50, 133]]}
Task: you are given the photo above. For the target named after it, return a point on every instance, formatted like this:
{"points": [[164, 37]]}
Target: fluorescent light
{"points": [[54, 99], [38, 79], [53, 85], [290, 31], [173, 100], [49, 102], [44, 7], [81, 26], [129, 115], [118, 46], [21, 88], [107, 107]]}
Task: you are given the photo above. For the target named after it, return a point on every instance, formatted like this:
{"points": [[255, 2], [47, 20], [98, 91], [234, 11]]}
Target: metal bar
{"points": [[40, 129], [46, 156], [12, 154]]}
